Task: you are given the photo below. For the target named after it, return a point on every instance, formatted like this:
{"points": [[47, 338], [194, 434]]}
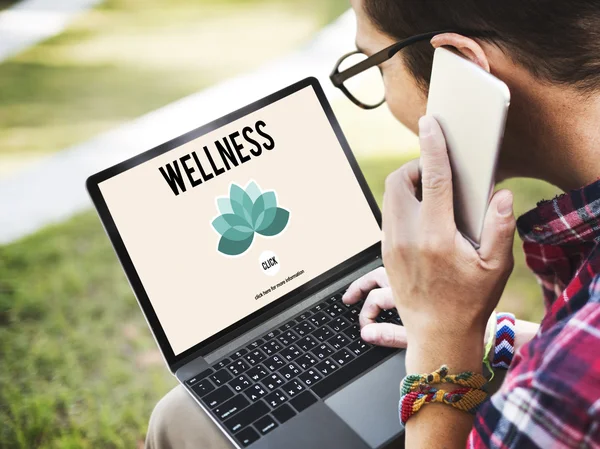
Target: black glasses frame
{"points": [[338, 78]]}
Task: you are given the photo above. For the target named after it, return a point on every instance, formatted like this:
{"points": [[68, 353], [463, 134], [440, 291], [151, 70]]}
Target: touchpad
{"points": [[369, 405]]}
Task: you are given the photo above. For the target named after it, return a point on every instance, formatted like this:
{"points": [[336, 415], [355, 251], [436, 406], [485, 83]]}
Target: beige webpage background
{"points": [[195, 290]]}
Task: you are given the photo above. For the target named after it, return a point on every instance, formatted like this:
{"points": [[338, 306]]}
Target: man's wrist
{"points": [[458, 353]]}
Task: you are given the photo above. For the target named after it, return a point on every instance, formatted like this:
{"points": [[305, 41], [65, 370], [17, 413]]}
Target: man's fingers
{"points": [[498, 230], [377, 300], [360, 288], [436, 175], [384, 334]]}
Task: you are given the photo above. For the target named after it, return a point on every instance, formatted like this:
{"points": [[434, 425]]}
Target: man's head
{"points": [[545, 50]]}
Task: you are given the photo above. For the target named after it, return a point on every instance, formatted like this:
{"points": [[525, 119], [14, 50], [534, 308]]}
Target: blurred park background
{"points": [[78, 366]]}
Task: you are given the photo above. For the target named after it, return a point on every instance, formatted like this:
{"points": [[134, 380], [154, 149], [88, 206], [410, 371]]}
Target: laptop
{"points": [[239, 239]]}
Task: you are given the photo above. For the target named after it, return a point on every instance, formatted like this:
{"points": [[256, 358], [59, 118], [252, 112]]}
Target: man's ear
{"points": [[465, 45]]}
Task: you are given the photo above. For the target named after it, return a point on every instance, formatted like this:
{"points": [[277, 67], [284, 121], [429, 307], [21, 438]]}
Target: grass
{"points": [[128, 57], [79, 366]]}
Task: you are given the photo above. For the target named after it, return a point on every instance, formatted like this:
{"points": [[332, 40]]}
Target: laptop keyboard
{"points": [[258, 388]]}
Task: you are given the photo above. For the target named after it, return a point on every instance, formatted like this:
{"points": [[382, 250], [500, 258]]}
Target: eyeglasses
{"points": [[367, 90]]}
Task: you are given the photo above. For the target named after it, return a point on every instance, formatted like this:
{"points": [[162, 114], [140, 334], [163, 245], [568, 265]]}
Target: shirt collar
{"points": [[571, 218]]}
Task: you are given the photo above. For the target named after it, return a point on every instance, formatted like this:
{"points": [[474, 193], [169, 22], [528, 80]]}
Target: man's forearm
{"points": [[440, 425]]}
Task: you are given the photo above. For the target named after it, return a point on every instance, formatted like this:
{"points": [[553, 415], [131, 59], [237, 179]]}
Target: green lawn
{"points": [[79, 366], [127, 57]]}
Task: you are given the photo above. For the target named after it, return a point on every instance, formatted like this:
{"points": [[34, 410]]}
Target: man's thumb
{"points": [[384, 334], [498, 229]]}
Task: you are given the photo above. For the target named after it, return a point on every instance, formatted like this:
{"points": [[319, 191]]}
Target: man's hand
{"points": [[443, 288], [374, 286]]}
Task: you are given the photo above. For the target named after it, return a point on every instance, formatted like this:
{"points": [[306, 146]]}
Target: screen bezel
{"points": [[269, 310]]}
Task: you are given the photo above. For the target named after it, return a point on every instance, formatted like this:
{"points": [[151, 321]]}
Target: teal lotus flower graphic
{"points": [[245, 212]]}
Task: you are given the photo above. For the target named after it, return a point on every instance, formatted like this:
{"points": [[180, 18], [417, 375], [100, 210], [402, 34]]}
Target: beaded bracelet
{"points": [[413, 382], [505, 340], [465, 399]]}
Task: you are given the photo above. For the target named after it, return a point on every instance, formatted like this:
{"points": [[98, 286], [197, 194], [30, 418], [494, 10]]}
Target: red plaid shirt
{"points": [[550, 397]]}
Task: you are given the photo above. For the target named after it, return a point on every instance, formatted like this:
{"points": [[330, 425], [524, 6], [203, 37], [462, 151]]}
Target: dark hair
{"points": [[556, 40]]}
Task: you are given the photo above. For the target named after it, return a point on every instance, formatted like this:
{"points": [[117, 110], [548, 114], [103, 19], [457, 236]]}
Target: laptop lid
{"points": [[231, 223]]}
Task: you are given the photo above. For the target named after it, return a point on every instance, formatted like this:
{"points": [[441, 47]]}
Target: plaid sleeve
{"points": [[550, 397]]}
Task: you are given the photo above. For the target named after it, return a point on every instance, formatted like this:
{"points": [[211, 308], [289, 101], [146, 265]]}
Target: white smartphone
{"points": [[471, 106]]}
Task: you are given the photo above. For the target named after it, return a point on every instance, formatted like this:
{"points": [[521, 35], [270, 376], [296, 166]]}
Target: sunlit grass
{"points": [[129, 57]]}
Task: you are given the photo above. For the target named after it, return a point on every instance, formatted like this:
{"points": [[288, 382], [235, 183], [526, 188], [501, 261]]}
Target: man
{"points": [[548, 53]]}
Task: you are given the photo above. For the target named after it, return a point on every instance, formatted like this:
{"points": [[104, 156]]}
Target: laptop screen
{"points": [[225, 224]]}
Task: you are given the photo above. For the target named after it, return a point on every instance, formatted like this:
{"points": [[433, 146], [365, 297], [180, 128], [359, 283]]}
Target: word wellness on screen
{"points": [[227, 153]]}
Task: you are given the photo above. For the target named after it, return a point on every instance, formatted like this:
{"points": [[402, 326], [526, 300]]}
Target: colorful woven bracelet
{"points": [[414, 382], [465, 399], [504, 348]]}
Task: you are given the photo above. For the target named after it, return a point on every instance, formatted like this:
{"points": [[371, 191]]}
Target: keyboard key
{"points": [[257, 373], [271, 335], [247, 436], [287, 338], [303, 401], [310, 377], [283, 413], [218, 396], [276, 398], [304, 328], [293, 388], [338, 324], [352, 315], [238, 367], [203, 387], [307, 343], [222, 364], [342, 357], [255, 392], [304, 316], [246, 416], [322, 351], [274, 363], [331, 299], [290, 353], [254, 357], [359, 347], [319, 319], [334, 310], [345, 374], [200, 376], [322, 334], [255, 344], [240, 383], [326, 367], [353, 332], [287, 326], [306, 361], [265, 424], [273, 381], [221, 377], [238, 354], [290, 371], [338, 342], [271, 347], [318, 307], [231, 407]]}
